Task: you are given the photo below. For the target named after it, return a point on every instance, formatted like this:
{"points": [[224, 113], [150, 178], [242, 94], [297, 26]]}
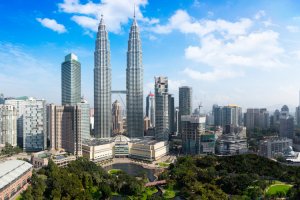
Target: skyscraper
{"points": [[64, 127], [171, 114], [8, 125], [102, 84], [70, 80], [134, 84], [185, 102], [257, 118], [117, 120], [161, 108], [150, 108], [286, 127]]}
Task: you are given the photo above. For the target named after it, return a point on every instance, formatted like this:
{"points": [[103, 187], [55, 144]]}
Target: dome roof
{"points": [[121, 139]]}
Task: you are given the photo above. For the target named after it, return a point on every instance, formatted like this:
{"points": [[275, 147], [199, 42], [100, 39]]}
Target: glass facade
{"points": [[70, 80], [102, 84], [134, 84]]}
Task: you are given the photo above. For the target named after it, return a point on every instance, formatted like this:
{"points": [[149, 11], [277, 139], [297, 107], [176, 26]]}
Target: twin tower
{"points": [[103, 79]]}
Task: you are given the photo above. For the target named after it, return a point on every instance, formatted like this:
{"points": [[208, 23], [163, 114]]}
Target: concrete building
{"points": [[134, 84], [102, 84], [14, 178], [64, 126], [150, 109], [2, 99], [147, 149], [117, 119], [185, 103], [273, 147], [147, 124], [161, 108], [177, 121], [257, 118], [41, 159], [232, 143], [85, 119], [207, 143], [8, 125], [286, 127], [35, 126], [193, 126], [70, 80], [227, 115]]}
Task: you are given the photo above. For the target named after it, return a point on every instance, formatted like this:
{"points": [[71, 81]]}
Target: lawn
{"points": [[278, 187], [114, 171], [163, 164]]}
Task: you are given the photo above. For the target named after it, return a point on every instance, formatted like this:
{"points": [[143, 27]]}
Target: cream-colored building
{"points": [[41, 159], [98, 150]]}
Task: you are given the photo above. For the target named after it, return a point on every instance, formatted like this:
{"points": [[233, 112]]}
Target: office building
{"points": [[227, 115], [134, 84], [8, 125], [2, 99], [102, 84], [15, 178], [64, 126], [257, 118], [70, 80], [146, 124], [150, 108], [286, 127], [185, 103], [193, 126], [35, 126], [207, 143], [85, 119], [161, 108], [273, 147], [20, 104], [117, 119], [176, 120], [171, 114]]}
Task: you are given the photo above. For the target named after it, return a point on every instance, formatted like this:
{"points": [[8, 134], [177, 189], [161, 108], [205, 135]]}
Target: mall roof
{"points": [[10, 170]]}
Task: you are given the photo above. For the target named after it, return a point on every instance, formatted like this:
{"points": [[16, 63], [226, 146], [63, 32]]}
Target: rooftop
{"points": [[11, 170]]}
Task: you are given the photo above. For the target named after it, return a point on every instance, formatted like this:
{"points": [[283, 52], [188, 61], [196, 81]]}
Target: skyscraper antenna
{"points": [[134, 10]]}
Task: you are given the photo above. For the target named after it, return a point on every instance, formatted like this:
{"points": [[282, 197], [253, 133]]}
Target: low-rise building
{"points": [[14, 178], [98, 150], [41, 159], [231, 144], [273, 147]]}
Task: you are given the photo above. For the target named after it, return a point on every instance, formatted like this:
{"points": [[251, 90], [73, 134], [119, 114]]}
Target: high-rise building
{"points": [[297, 113], [171, 113], [70, 80], [31, 122], [35, 126], [150, 108], [8, 125], [185, 102], [102, 84], [193, 126], [134, 84], [64, 126], [85, 130], [286, 127], [117, 120], [176, 120], [227, 115], [257, 118], [161, 108], [2, 99]]}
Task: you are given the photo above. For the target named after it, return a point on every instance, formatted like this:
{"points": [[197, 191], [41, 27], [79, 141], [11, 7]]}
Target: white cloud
{"points": [[263, 51], [213, 75], [183, 22], [175, 84], [23, 74], [259, 14], [293, 29], [116, 13], [52, 24]]}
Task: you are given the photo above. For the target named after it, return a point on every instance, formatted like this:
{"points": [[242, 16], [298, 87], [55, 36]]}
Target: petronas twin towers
{"points": [[102, 84]]}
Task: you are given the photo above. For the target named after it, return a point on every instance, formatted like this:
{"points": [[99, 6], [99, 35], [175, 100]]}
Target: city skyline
{"points": [[258, 26]]}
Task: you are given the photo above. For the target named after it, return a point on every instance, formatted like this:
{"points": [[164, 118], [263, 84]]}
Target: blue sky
{"points": [[234, 51]]}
